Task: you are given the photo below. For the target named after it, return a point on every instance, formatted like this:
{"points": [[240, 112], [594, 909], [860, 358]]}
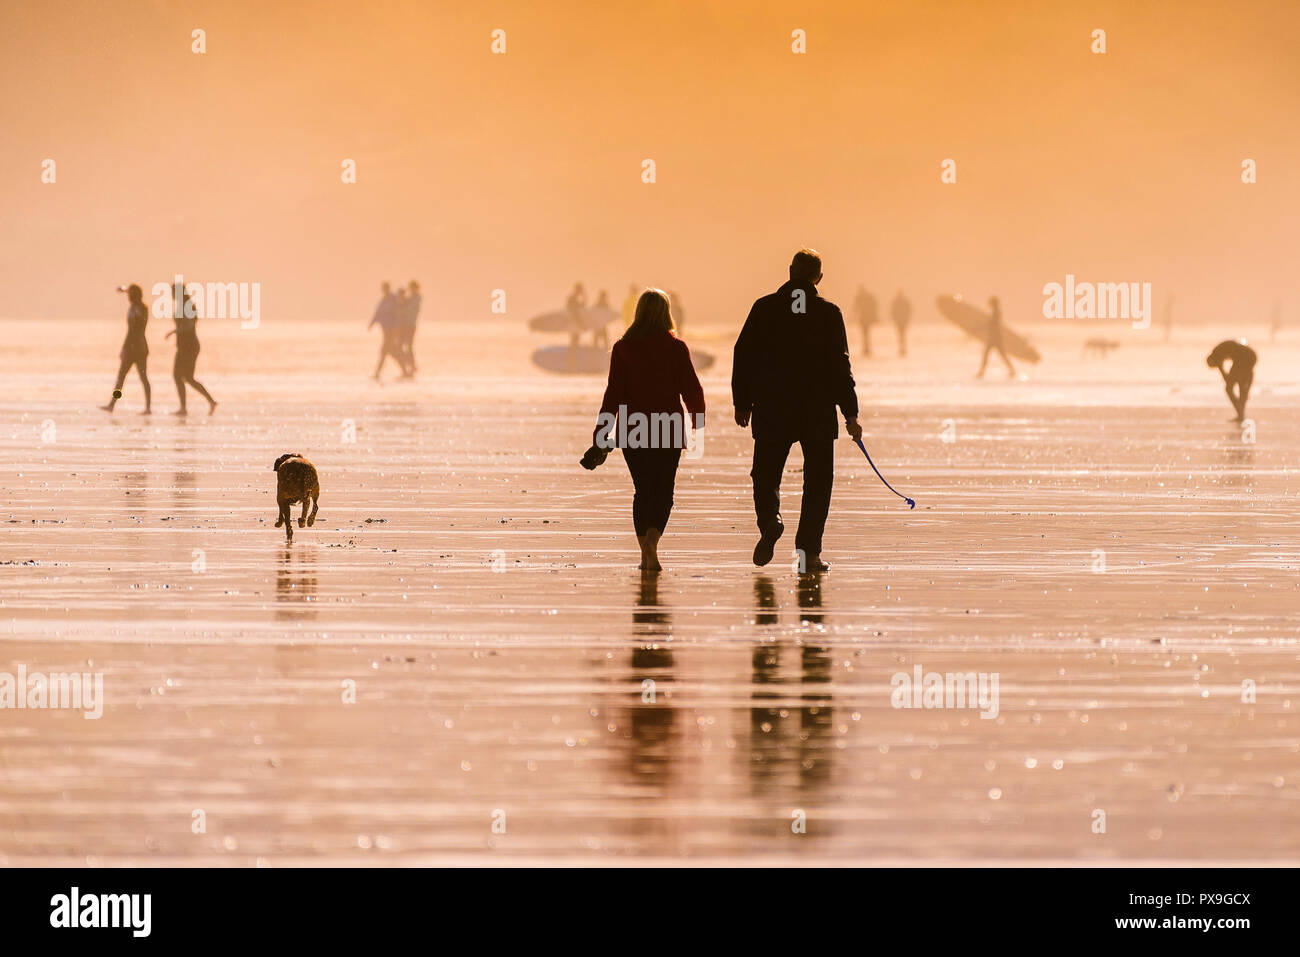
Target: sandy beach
{"points": [[460, 662]]}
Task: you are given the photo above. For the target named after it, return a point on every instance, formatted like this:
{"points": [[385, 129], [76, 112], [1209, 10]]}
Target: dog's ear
{"points": [[281, 460]]}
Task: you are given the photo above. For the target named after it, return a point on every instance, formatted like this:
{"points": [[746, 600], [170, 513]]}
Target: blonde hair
{"points": [[653, 314]]}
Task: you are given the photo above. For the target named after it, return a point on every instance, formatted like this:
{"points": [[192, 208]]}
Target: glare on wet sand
{"points": [[460, 662]]}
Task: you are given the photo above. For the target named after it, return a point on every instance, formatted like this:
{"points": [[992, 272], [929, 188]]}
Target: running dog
{"points": [[298, 482]]}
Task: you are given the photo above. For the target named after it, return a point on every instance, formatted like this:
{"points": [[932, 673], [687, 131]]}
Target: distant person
{"points": [[864, 305], [901, 312], [576, 306], [993, 341], [385, 318], [679, 314], [1167, 318], [791, 369], [1275, 323], [135, 349], [1240, 373], [408, 312], [629, 305], [187, 349], [400, 302], [600, 334], [650, 374]]}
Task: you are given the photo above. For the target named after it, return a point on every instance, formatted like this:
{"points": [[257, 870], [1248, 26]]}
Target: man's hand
{"points": [[855, 430], [742, 417]]}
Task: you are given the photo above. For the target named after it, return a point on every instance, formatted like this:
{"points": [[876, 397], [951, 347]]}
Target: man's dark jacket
{"points": [[791, 367]]}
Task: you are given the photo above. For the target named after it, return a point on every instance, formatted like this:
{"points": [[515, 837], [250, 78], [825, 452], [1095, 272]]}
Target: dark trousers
{"points": [[654, 473], [818, 478]]}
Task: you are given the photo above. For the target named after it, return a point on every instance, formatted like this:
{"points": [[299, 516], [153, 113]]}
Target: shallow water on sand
{"points": [[1099, 536]]}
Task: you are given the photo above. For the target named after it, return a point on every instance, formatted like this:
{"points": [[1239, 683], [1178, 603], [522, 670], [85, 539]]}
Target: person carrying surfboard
{"points": [[599, 337], [574, 304], [1240, 375], [791, 370], [629, 305], [994, 340]]}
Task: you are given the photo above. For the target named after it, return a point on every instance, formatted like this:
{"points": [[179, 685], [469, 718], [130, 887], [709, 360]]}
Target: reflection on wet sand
{"points": [[686, 716], [295, 584], [1238, 461], [790, 748], [650, 720]]}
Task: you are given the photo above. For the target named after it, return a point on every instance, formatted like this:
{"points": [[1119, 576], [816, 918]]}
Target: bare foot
{"points": [[147, 412], [650, 551], [107, 408], [212, 406], [180, 412]]}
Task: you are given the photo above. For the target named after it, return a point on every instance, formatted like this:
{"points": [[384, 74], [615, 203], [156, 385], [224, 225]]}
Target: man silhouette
{"points": [[407, 316], [900, 310], [1240, 374], [791, 370], [993, 340], [864, 304]]}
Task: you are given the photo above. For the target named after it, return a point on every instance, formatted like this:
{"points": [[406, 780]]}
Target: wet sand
{"points": [[480, 590]]}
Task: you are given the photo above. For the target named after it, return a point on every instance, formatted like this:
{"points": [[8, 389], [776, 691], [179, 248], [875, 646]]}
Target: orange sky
{"points": [[522, 171]]}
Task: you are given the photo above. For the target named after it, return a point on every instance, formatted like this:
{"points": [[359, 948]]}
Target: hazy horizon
{"points": [[479, 171]]}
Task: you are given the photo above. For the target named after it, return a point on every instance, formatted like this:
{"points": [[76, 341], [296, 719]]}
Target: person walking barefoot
{"points": [[187, 350], [650, 375], [135, 349]]}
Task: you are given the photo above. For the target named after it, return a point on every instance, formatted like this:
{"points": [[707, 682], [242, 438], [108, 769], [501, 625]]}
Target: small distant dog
{"points": [[298, 482], [1099, 347]]}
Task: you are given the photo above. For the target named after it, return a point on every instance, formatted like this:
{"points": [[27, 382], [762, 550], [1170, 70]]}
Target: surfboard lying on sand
{"points": [[701, 360], [589, 360], [976, 321], [589, 319], [572, 360]]}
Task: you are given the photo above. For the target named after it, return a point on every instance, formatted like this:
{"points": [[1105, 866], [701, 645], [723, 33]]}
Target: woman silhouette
{"points": [[135, 349], [650, 373]]}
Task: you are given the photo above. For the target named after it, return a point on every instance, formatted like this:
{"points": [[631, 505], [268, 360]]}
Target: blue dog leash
{"points": [[911, 503]]}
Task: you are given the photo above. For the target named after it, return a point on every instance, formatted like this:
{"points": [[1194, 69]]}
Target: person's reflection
{"points": [[1239, 463], [789, 750], [765, 664], [183, 485], [651, 721], [810, 598], [765, 598], [815, 744], [295, 584], [135, 490]]}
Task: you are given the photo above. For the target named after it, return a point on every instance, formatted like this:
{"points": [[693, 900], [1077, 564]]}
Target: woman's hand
{"points": [[594, 457]]}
